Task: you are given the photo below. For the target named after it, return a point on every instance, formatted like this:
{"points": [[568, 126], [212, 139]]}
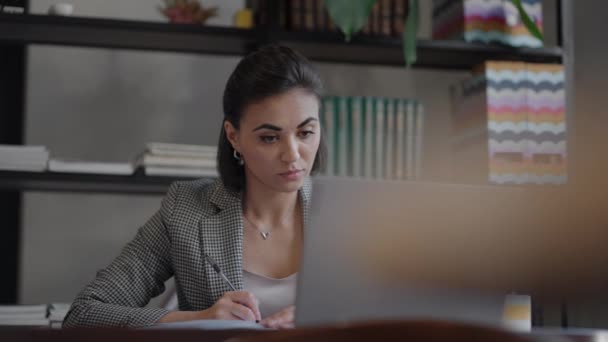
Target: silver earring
{"points": [[238, 157]]}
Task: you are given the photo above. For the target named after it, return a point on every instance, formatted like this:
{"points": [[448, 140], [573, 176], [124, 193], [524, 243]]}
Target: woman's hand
{"points": [[280, 320], [235, 305]]}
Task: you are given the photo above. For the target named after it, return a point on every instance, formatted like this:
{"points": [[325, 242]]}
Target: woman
{"points": [[249, 221]]}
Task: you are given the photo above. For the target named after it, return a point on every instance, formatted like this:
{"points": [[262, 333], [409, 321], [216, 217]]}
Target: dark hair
{"points": [[269, 71]]}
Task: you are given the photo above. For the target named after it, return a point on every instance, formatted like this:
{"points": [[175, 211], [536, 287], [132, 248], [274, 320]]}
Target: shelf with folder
{"points": [[89, 183], [318, 46]]}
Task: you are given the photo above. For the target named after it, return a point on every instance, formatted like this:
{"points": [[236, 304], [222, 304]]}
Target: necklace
{"points": [[264, 234]]}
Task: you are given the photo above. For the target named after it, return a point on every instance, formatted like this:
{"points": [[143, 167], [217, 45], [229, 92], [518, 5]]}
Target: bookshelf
{"points": [[19, 31], [318, 46]]}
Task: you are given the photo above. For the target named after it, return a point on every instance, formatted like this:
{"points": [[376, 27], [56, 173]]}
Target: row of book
{"points": [[158, 159], [486, 21], [373, 137], [510, 121], [162, 159], [387, 17], [42, 315]]}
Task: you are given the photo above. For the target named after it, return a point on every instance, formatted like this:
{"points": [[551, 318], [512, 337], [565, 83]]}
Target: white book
{"points": [[409, 139], [389, 156], [12, 158], [400, 144], [23, 149], [155, 160], [368, 132], [342, 137], [183, 154], [21, 309], [24, 162], [419, 138], [25, 322], [81, 166], [179, 171], [22, 154], [23, 315], [328, 120], [357, 140], [33, 167], [380, 138], [160, 147], [59, 307]]}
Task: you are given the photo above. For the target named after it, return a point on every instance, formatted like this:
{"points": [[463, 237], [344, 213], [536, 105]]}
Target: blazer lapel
{"points": [[221, 234], [305, 195]]}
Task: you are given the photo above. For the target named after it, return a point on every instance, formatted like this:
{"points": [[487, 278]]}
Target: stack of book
{"points": [[178, 160], [487, 21], [370, 137], [94, 167], [23, 158], [24, 315], [386, 19], [57, 313]]}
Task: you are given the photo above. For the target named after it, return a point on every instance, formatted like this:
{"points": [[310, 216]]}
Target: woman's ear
{"points": [[232, 135]]}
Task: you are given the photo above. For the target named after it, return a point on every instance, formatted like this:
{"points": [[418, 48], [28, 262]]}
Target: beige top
{"points": [[274, 294]]}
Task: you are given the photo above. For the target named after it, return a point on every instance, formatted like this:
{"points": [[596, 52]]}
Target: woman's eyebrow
{"points": [[278, 129], [268, 126], [305, 122]]}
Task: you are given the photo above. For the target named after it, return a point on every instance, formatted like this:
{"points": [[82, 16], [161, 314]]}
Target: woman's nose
{"points": [[290, 151]]}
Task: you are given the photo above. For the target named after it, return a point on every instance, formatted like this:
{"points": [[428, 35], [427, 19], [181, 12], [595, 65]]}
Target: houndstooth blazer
{"points": [[195, 217]]}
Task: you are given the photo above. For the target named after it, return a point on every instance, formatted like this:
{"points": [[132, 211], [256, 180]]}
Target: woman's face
{"points": [[278, 139]]}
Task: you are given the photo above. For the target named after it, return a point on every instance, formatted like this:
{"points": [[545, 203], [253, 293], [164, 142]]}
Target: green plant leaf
{"points": [[410, 33], [349, 15], [528, 22]]}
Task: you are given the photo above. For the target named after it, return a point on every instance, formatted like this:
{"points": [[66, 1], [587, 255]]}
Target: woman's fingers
{"points": [[283, 319], [242, 312], [247, 299]]}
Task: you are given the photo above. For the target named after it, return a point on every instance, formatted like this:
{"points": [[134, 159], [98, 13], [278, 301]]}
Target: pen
{"points": [[218, 270]]}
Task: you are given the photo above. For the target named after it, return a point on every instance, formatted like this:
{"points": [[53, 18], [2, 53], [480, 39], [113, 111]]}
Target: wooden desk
{"points": [[370, 331]]}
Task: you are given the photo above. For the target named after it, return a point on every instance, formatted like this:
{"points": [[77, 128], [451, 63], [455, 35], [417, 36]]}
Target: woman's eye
{"points": [[269, 138], [305, 134]]}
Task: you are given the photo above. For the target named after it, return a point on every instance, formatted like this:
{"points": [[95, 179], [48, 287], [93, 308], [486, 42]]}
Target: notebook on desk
{"points": [[386, 250], [210, 324]]}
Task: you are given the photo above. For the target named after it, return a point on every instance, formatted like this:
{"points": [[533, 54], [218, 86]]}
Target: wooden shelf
{"points": [[89, 183], [318, 46]]}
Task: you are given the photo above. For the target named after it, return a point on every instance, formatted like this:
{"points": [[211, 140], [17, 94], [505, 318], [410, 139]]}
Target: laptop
{"points": [[376, 250]]}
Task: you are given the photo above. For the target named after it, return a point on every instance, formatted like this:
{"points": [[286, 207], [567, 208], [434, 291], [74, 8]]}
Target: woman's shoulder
{"points": [[201, 195], [192, 187], [191, 193]]}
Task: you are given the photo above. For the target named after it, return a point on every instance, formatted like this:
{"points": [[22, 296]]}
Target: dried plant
{"points": [[187, 11]]}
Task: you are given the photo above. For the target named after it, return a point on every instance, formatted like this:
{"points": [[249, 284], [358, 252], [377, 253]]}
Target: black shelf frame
{"points": [[137, 184], [318, 46]]}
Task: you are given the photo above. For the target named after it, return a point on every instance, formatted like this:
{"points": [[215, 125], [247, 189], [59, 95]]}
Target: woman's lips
{"points": [[292, 175]]}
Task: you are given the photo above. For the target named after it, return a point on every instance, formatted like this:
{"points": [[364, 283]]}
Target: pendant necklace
{"points": [[264, 234]]}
